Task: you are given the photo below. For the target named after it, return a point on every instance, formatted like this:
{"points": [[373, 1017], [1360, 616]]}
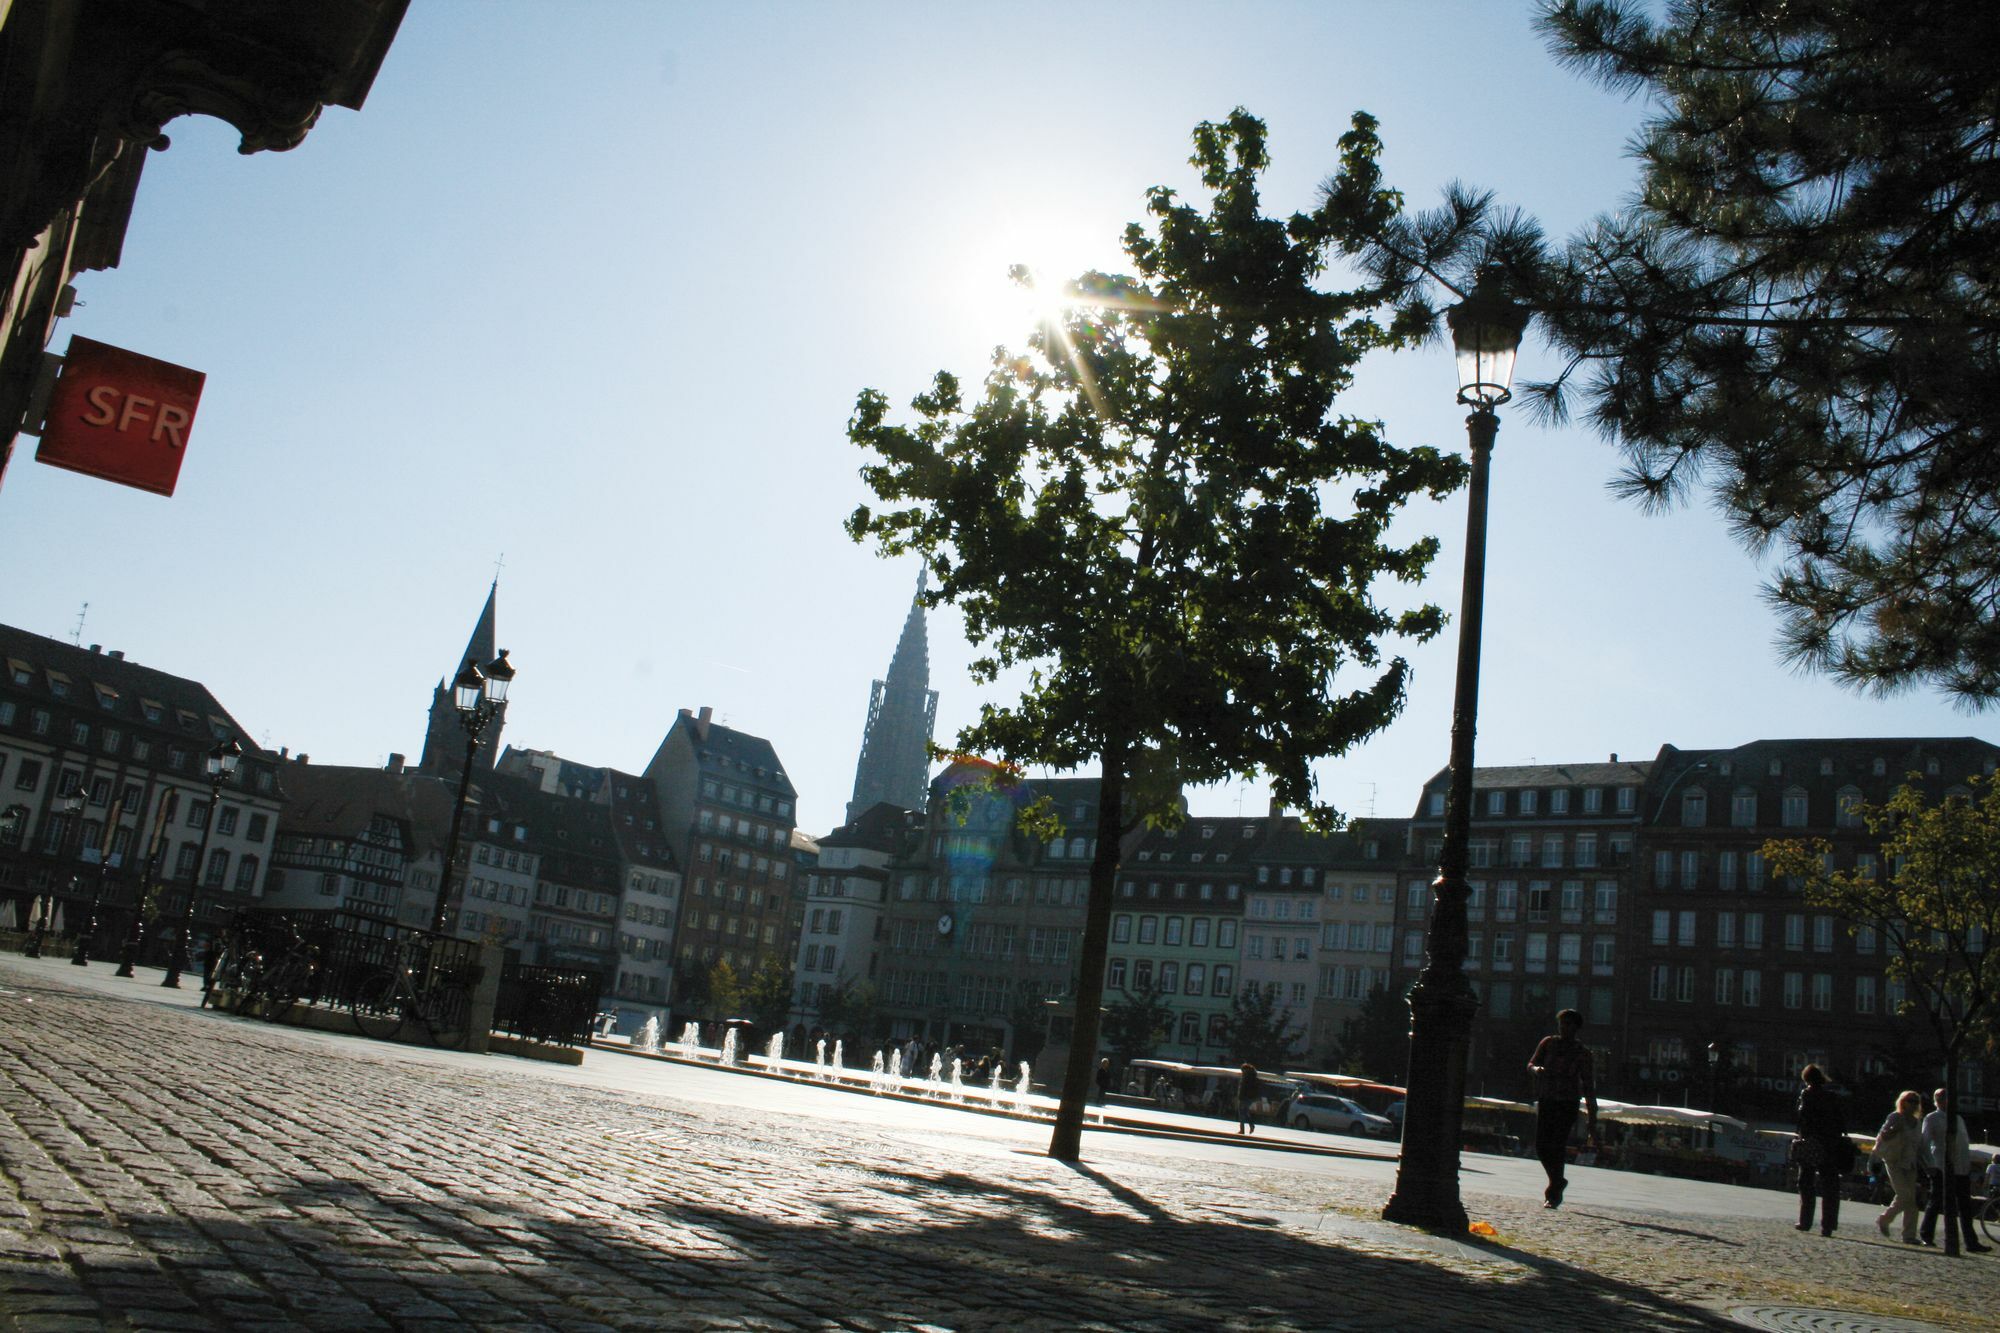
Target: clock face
{"points": [[944, 924]]}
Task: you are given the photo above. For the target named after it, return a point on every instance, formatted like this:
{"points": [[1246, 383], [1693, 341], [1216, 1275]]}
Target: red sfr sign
{"points": [[120, 416]]}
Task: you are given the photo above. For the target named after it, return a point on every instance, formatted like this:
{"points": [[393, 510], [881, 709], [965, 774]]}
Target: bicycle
{"points": [[1987, 1210], [413, 989], [270, 989]]}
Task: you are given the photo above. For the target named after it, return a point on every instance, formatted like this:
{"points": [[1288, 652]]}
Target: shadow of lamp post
{"points": [[72, 807], [149, 870], [478, 695], [1486, 332], [86, 938], [221, 763]]}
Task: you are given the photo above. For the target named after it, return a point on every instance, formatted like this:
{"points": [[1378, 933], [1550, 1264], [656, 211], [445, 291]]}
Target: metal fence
{"points": [[547, 1004], [349, 947]]}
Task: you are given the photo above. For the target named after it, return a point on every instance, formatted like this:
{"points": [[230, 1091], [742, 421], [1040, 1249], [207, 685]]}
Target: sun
{"points": [[1048, 253]]}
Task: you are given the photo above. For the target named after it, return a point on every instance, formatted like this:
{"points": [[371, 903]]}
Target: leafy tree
{"points": [[1375, 1043], [768, 995], [1135, 1024], [1029, 1020], [1257, 1031], [1932, 904], [724, 995], [1796, 312], [852, 1007], [1155, 512]]}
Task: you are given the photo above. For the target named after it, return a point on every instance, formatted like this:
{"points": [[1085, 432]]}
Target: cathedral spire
{"points": [[902, 708], [444, 738]]}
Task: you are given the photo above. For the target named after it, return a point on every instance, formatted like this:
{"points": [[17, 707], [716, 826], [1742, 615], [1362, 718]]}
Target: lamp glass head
{"points": [[499, 675], [468, 688], [1486, 331]]}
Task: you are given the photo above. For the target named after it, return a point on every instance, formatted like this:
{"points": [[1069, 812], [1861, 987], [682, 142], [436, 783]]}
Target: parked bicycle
{"points": [[271, 984], [414, 990]]}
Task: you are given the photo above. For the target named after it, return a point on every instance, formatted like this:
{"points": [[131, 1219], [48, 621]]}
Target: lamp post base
{"points": [[1441, 1013]]}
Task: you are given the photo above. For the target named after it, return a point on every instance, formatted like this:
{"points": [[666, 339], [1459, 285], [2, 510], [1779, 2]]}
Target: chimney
{"points": [[1277, 808], [1614, 756], [395, 764], [701, 722], [116, 654], [96, 648], [284, 752], [304, 758]]}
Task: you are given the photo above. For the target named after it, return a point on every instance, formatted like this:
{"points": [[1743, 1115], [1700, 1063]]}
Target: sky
{"points": [[584, 294]]}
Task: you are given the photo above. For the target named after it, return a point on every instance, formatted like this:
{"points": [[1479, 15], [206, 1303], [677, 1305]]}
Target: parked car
{"points": [[1324, 1111]]}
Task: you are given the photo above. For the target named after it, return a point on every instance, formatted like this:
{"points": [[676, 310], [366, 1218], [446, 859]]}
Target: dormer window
{"points": [[1931, 767], [1777, 768], [1826, 768]]}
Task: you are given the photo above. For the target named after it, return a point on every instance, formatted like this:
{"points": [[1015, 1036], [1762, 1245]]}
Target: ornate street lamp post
{"points": [[72, 806], [1486, 333], [222, 761], [1715, 1077], [477, 694]]}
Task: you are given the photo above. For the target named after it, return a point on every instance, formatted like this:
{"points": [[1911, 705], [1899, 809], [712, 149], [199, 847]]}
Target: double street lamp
{"points": [[72, 806], [222, 761], [477, 694], [1486, 331]]}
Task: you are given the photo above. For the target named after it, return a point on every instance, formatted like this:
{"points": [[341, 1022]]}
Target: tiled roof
{"points": [[336, 800]]}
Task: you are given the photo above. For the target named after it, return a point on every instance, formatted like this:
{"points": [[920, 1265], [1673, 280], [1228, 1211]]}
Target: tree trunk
{"points": [[1066, 1143]]}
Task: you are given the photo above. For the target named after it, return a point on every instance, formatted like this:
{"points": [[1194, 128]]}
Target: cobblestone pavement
{"points": [[169, 1169]]}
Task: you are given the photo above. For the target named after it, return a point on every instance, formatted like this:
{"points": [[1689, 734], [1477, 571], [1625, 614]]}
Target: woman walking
{"points": [[1898, 1145], [1246, 1093], [1821, 1151]]}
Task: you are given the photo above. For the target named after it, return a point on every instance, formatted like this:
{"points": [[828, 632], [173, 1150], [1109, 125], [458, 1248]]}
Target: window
{"points": [[1503, 952], [1559, 801], [1529, 802], [1603, 954], [1197, 978], [1725, 930], [1114, 974], [1684, 930], [1496, 802], [218, 868], [1659, 981], [1822, 934], [1694, 808], [1822, 991], [1170, 978], [1121, 929], [1628, 800], [1198, 932], [1569, 954], [1586, 850], [1750, 987], [246, 874], [1684, 985], [1149, 929], [225, 822], [1795, 931], [1864, 995], [1753, 930], [1725, 985], [1174, 930], [1552, 850], [1743, 808], [1607, 902], [1225, 934], [1725, 871], [1794, 990], [1663, 926], [1593, 800], [28, 774], [1537, 959], [1225, 979], [1847, 808], [1792, 813], [1435, 804]]}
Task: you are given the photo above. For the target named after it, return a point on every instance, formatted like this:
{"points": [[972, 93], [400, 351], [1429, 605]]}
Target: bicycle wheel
{"points": [[282, 988], [378, 1007], [248, 988], [1989, 1220], [447, 1013]]}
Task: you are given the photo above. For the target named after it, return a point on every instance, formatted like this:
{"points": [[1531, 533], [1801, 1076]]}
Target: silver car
{"points": [[1324, 1111]]}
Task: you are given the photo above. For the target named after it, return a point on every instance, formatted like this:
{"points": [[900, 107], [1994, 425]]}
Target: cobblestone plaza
{"points": [[166, 1168]]}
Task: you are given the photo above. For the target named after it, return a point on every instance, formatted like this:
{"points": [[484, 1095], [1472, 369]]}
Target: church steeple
{"points": [[902, 709], [444, 738]]}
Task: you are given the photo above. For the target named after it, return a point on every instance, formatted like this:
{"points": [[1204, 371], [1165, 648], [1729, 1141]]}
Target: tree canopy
{"points": [[1257, 1031], [1931, 901], [1796, 314], [1157, 513]]}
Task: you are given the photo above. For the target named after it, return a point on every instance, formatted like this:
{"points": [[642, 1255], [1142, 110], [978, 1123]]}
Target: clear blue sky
{"points": [[595, 285]]}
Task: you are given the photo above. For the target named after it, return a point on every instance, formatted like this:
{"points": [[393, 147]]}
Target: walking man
{"points": [[1949, 1170], [1562, 1070]]}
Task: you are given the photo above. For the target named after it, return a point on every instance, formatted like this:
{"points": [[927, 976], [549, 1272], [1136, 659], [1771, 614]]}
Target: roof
{"points": [[725, 751], [111, 686], [1613, 773], [336, 800], [878, 828]]}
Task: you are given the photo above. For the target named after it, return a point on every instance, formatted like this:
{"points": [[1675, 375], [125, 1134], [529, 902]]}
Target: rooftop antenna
{"points": [[1371, 800], [76, 635]]}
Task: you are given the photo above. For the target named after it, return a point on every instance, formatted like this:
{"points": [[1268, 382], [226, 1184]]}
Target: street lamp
{"points": [[222, 761], [478, 695], [72, 806], [1715, 1077], [1486, 331]]}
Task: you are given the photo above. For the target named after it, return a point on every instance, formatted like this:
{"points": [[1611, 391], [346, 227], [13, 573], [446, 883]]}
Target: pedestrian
{"points": [[1898, 1147], [1949, 1169], [1104, 1080], [1246, 1093], [1562, 1070], [1822, 1151]]}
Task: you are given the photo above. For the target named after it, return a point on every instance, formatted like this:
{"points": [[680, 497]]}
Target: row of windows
{"points": [[1745, 930], [746, 797], [1572, 901], [1534, 953], [718, 924], [976, 888], [1182, 892], [1528, 801], [1173, 931], [820, 958], [1170, 978], [1553, 851], [735, 893], [1744, 987]]}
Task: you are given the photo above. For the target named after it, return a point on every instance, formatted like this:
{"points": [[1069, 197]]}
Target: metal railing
{"points": [[547, 1004]]}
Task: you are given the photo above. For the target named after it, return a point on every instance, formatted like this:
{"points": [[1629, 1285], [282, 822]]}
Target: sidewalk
{"points": [[166, 1168]]}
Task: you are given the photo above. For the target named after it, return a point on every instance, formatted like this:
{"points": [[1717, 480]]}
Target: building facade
{"points": [[129, 743], [1729, 959], [1552, 882], [728, 812]]}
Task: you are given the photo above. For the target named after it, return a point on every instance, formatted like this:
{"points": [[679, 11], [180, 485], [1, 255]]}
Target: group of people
{"points": [[1908, 1144]]}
